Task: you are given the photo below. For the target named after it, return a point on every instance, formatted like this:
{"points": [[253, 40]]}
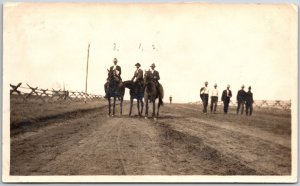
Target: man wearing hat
{"points": [[116, 69], [241, 98], [204, 96], [214, 99], [155, 77], [226, 95], [249, 102], [138, 74], [155, 74]]}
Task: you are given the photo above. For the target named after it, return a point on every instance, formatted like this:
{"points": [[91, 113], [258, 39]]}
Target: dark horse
{"points": [[136, 91], [114, 89], [151, 93]]}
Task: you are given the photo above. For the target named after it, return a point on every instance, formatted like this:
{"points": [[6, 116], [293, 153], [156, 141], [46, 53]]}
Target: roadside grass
{"points": [[277, 121], [34, 109]]}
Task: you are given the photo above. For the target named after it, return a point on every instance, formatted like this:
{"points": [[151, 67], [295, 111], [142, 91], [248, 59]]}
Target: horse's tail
{"points": [[160, 101], [161, 96]]}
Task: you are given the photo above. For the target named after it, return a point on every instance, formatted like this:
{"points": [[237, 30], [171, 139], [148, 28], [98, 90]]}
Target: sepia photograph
{"points": [[150, 92]]}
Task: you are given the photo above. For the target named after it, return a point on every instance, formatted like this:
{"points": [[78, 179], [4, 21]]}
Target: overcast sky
{"points": [[45, 45]]}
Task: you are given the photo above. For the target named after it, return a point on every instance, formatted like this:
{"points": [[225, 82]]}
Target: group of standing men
{"points": [[243, 98]]}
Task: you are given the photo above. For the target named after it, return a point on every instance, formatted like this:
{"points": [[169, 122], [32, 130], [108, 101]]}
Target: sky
{"points": [[45, 45]]}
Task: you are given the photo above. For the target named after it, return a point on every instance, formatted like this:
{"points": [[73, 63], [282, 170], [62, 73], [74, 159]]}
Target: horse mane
{"points": [[128, 84], [147, 76], [110, 75]]}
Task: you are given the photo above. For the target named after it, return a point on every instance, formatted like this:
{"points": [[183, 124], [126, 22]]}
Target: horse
{"points": [[151, 93], [136, 91], [115, 89]]}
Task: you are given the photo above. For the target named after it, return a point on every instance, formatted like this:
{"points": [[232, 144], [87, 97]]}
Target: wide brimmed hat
{"points": [[152, 65], [137, 64]]}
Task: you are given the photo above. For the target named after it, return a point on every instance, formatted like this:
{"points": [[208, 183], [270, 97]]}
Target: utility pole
{"points": [[87, 69]]}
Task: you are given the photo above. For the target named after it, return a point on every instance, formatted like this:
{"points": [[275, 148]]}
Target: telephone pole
{"points": [[87, 69]]}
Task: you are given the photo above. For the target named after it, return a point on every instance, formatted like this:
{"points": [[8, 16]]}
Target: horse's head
{"points": [[147, 76], [128, 84], [110, 75]]}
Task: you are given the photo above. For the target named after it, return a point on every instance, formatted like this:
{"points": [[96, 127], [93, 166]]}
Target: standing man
{"points": [[138, 77], [214, 99], [155, 77], [241, 98], [170, 98], [226, 95], [204, 96], [249, 102]]}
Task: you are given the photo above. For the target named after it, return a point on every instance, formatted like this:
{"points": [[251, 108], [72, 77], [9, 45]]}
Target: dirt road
{"points": [[183, 141]]}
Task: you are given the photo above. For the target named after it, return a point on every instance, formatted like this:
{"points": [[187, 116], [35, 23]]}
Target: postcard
{"points": [[150, 92]]}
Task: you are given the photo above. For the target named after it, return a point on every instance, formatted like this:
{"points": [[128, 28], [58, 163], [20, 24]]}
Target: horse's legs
{"points": [[142, 105], [138, 106], [153, 110], [131, 104], [109, 104], [121, 106], [147, 107], [114, 106]]}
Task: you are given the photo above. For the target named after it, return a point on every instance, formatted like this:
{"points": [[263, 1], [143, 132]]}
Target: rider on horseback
{"points": [[155, 77], [115, 70], [138, 77]]}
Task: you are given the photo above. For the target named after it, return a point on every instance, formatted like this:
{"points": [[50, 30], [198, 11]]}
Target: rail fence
{"points": [[268, 104], [45, 95]]}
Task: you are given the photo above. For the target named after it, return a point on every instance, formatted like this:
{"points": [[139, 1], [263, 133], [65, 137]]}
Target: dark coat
{"points": [[249, 98], [201, 95], [224, 95], [138, 75], [118, 68], [241, 96], [155, 75]]}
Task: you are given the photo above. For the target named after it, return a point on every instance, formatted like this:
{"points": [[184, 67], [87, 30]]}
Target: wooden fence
{"points": [[268, 104], [45, 95]]}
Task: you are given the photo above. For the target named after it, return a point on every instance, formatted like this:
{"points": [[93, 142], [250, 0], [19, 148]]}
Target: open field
{"points": [[79, 139]]}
